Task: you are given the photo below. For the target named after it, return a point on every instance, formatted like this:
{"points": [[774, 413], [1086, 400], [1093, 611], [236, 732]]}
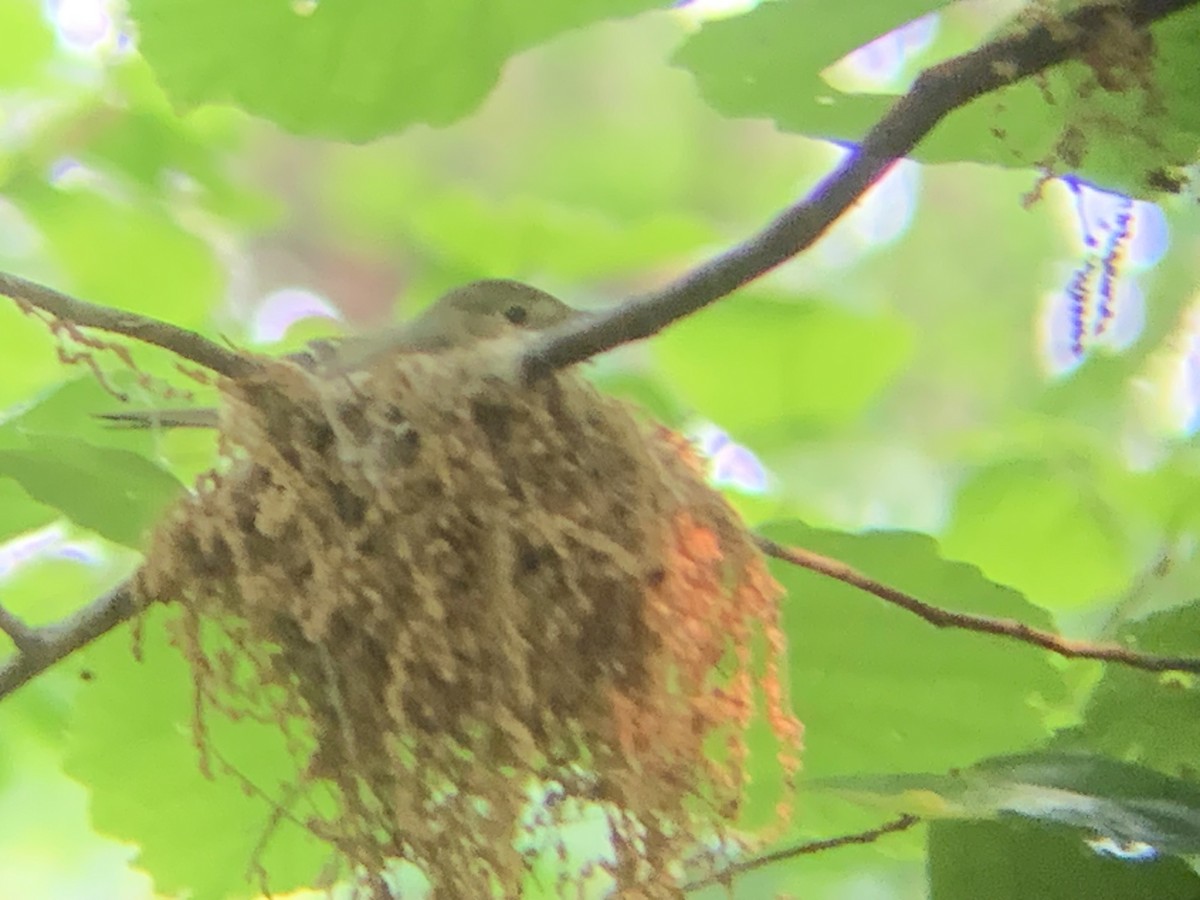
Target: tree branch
{"points": [[185, 344], [934, 94], [22, 635], [40, 648], [944, 618], [902, 823]]}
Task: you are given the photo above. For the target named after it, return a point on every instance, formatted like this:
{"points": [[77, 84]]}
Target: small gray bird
{"points": [[473, 312]]}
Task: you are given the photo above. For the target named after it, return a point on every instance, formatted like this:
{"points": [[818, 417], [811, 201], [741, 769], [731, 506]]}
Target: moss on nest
{"points": [[460, 587]]}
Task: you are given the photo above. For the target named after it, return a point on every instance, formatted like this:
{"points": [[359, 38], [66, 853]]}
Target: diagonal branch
{"points": [[40, 648], [936, 92], [180, 341], [944, 618], [901, 823], [22, 635]]}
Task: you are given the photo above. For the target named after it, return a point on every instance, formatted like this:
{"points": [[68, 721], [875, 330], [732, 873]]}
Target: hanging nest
{"points": [[463, 590]]}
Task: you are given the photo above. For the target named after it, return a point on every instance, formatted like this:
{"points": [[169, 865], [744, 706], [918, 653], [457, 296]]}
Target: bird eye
{"points": [[516, 314]]}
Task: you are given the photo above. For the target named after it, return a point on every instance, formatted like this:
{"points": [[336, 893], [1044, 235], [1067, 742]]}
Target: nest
{"points": [[461, 589]]}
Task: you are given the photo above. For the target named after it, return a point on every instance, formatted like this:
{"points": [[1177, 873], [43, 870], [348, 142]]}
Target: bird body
{"points": [[474, 312]]}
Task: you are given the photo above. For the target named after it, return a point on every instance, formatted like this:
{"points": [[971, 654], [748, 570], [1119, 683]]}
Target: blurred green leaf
{"points": [[113, 491], [768, 61], [129, 256], [353, 69], [1154, 719], [19, 512], [529, 236], [1120, 137], [132, 744], [1044, 529], [56, 573], [874, 683], [1021, 860], [165, 155], [28, 41], [768, 367], [567, 130], [116, 493], [48, 847], [30, 363], [1127, 804], [70, 409], [879, 689]]}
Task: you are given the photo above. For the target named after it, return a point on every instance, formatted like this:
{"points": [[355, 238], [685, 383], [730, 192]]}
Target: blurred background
{"points": [[1007, 365]]}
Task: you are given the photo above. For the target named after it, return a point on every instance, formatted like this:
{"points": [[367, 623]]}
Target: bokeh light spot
{"points": [[83, 25], [1100, 303], [882, 61], [731, 464], [282, 309]]}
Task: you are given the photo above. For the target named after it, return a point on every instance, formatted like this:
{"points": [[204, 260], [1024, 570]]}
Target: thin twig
{"points": [[725, 876], [48, 644], [934, 94], [944, 618], [22, 635], [1126, 605], [185, 344]]}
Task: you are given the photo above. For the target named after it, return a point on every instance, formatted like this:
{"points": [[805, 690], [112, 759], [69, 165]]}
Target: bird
{"points": [[474, 312]]}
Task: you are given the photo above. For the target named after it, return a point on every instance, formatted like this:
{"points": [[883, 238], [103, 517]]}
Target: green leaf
{"points": [[28, 41], [532, 236], [132, 745], [27, 348], [1154, 719], [19, 512], [1122, 801], [1043, 529], [873, 682], [47, 845], [132, 257], [1020, 860], [116, 493], [61, 573], [761, 367], [1128, 804], [878, 688], [768, 62], [113, 491], [352, 69], [1121, 137], [164, 156]]}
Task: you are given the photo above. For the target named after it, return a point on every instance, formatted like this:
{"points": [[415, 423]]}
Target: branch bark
{"points": [[40, 648], [183, 343], [22, 635], [725, 877], [944, 618], [935, 93]]}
